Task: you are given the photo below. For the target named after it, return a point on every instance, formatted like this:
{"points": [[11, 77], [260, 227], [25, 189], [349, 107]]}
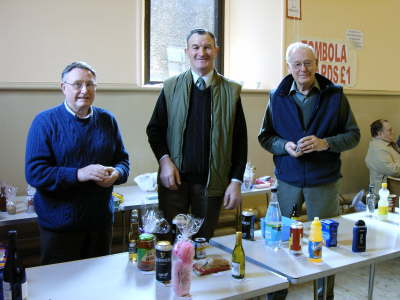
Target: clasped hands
{"points": [[103, 176], [306, 144]]}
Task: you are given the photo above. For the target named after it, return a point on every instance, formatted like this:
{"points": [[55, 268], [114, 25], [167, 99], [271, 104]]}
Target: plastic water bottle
{"points": [[370, 200], [383, 204], [273, 222]]}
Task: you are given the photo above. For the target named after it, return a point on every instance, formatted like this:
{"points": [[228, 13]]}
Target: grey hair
{"points": [[298, 45], [201, 31], [77, 65]]}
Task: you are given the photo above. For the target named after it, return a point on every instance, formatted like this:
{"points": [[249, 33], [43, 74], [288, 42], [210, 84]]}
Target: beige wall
{"points": [[377, 61], [39, 38]]}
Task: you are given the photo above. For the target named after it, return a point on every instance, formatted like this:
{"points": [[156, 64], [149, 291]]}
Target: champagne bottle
{"points": [[238, 258], [133, 235], [14, 276]]}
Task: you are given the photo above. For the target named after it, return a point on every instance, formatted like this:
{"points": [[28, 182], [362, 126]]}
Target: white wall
{"points": [[39, 38], [253, 38]]}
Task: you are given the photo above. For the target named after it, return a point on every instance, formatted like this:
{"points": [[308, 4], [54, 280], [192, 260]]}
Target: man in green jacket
{"points": [[197, 120]]}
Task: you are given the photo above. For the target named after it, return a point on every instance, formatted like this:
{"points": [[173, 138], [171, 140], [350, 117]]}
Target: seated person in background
{"points": [[383, 156]]}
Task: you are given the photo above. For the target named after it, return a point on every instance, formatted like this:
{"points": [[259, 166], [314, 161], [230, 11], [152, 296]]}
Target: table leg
{"points": [[123, 230], [325, 292], [325, 287], [315, 288], [371, 281]]}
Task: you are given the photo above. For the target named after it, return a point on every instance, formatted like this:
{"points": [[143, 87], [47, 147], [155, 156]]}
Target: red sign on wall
{"points": [[335, 61]]}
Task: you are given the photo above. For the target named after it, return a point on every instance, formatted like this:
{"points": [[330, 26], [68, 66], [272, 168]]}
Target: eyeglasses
{"points": [[79, 85], [307, 64]]}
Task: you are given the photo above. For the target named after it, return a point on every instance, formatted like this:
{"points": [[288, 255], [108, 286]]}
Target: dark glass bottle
{"points": [[14, 276]]}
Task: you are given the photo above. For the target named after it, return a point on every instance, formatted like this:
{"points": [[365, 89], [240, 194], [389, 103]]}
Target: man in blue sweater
{"points": [[74, 156], [307, 124]]}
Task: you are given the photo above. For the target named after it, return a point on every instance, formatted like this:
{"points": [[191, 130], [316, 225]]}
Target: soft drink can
{"points": [[296, 234], [200, 245], [146, 252], [248, 219], [392, 199], [163, 261]]}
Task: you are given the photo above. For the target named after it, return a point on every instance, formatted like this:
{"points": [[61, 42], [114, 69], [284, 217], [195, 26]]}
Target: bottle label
{"points": [[383, 210], [273, 232], [132, 250], [315, 249], [235, 267]]}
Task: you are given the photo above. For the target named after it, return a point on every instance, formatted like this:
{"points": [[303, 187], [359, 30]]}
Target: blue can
{"points": [[359, 237]]}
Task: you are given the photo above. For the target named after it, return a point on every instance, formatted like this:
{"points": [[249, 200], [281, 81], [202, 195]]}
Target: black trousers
{"points": [[191, 198], [56, 247]]}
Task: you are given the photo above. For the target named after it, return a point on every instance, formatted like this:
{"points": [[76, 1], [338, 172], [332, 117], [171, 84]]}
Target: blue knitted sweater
{"points": [[58, 144]]}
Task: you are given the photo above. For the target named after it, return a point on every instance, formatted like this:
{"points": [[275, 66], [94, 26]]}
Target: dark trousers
{"points": [[56, 247], [191, 198]]}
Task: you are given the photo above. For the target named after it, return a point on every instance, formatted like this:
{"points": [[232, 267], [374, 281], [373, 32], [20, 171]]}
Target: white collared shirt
{"points": [[207, 78], [75, 115]]}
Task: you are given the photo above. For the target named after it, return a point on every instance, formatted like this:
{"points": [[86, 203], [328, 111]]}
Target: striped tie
{"points": [[201, 84]]}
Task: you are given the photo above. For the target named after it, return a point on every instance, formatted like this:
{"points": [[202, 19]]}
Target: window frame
{"points": [[219, 21]]}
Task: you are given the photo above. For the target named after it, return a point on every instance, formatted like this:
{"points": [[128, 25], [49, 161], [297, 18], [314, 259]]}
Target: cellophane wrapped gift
{"points": [[183, 253]]}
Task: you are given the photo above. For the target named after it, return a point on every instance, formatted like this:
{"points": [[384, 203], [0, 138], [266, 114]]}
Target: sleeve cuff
{"points": [[162, 157]]}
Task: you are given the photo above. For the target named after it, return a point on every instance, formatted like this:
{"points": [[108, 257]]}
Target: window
{"points": [[167, 24]]}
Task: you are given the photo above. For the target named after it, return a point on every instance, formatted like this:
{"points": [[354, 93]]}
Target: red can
{"points": [[296, 234], [393, 202]]}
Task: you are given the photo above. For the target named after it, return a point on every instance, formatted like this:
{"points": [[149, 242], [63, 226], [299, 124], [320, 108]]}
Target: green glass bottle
{"points": [[238, 258]]}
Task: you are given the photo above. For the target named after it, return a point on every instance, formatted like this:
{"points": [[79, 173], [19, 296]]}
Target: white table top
{"points": [[134, 198], [114, 277], [383, 243]]}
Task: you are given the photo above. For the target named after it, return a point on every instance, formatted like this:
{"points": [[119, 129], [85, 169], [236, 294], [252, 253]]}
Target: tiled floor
{"points": [[353, 284]]}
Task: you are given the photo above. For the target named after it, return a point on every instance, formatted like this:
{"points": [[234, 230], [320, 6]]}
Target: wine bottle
{"points": [[133, 235], [14, 276], [238, 258]]}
